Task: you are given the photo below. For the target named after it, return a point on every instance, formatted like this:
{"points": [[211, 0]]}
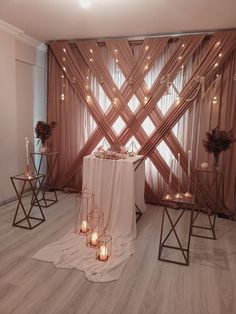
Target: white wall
{"points": [[22, 103]]}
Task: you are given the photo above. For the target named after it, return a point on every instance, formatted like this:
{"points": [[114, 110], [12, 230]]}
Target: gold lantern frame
{"points": [[104, 248], [84, 204], [96, 227]]}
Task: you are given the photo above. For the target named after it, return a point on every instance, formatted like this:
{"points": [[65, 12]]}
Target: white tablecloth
{"points": [[117, 187]]}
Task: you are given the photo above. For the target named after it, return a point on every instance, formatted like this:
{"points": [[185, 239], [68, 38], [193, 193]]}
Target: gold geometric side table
{"points": [[48, 186], [181, 206], [34, 182], [207, 191]]}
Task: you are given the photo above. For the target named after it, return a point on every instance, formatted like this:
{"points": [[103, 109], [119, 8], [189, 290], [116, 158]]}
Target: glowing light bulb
{"points": [[216, 64], [85, 3], [146, 48]]}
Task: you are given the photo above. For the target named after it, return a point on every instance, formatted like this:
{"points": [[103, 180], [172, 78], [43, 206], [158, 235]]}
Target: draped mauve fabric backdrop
{"points": [[124, 91]]}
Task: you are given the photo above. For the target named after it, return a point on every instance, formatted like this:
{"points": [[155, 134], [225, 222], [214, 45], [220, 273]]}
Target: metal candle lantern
{"points": [[104, 247], [96, 227], [84, 204]]}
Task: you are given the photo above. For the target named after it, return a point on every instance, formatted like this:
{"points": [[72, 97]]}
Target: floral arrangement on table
{"points": [[217, 141], [43, 131], [110, 154]]}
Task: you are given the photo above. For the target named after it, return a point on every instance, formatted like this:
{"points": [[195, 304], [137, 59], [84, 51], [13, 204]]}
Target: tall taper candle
{"points": [[171, 166], [27, 151], [189, 158], [179, 172]]}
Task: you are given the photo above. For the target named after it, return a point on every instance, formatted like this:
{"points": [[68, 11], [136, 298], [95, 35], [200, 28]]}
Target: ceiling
{"points": [[47, 20]]}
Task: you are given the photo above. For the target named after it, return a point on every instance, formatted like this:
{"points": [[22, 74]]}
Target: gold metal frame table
{"points": [[181, 205], [48, 187], [34, 182]]}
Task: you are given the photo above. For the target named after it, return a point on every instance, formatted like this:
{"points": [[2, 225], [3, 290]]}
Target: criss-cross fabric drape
{"points": [[94, 86]]}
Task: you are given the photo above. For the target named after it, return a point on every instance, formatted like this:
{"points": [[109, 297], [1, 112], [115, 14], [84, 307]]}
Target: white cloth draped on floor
{"points": [[117, 187]]}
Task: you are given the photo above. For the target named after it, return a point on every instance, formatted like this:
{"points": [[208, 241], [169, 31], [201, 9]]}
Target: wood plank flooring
{"points": [[28, 286]]}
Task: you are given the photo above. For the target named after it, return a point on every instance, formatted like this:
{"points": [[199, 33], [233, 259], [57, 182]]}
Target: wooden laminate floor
{"points": [[28, 286]]}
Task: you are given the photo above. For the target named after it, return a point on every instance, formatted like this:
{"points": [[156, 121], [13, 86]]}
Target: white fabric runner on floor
{"points": [[117, 188]]}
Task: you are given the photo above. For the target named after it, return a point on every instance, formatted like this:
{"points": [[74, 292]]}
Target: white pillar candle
{"points": [[27, 151], [189, 158], [84, 226], [103, 253], [94, 238]]}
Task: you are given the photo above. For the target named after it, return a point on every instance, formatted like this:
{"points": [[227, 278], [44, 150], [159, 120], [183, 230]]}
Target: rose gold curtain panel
{"points": [[206, 65]]}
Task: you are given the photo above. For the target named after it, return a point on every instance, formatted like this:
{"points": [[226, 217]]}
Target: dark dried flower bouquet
{"points": [[218, 141], [44, 130]]}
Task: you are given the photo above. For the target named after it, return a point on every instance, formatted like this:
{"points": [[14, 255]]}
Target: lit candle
{"points": [[171, 165], [103, 256], [94, 238], [84, 226], [27, 151], [189, 157]]}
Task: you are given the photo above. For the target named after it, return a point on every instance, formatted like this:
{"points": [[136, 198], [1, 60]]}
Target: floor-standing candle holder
{"points": [[103, 252], [84, 204], [96, 227], [188, 194], [178, 195]]}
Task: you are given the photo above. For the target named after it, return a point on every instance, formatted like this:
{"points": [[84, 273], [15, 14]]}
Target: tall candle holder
{"points": [[84, 204], [178, 195], [96, 225], [103, 252], [28, 172], [188, 194], [168, 194]]}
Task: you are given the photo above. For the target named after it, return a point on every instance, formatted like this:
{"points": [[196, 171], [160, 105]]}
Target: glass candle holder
{"points": [[104, 247]]}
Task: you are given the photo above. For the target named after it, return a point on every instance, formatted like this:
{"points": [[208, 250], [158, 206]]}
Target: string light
{"points": [[217, 44], [63, 59], [214, 100], [217, 75], [220, 55], [115, 51], [91, 50], [146, 67], [182, 66], [88, 98], [183, 45], [91, 59], [180, 57], [62, 97], [146, 48], [62, 76], [64, 69], [216, 64], [117, 60], [64, 50], [148, 57], [145, 100]]}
